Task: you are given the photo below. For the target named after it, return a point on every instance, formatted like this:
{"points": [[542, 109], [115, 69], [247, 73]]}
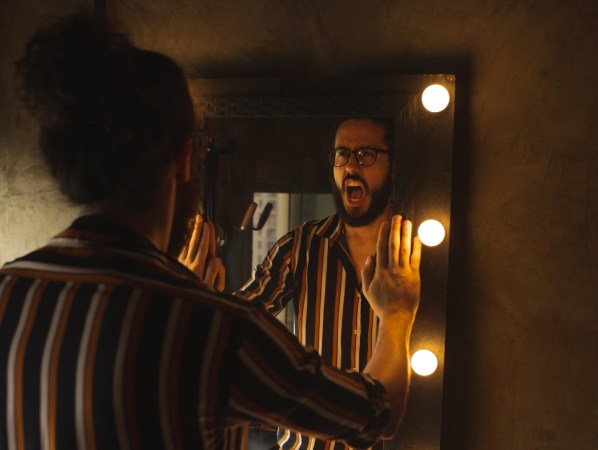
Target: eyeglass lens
{"points": [[364, 157]]}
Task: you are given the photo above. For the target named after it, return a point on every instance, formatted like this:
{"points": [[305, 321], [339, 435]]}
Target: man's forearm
{"points": [[390, 365]]}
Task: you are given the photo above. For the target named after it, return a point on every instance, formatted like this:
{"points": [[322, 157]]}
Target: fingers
{"points": [[188, 248], [221, 278], [212, 240], [416, 254], [216, 274], [193, 242], [394, 240], [202, 248], [405, 250], [212, 271], [200, 254], [401, 252], [183, 255], [382, 245]]}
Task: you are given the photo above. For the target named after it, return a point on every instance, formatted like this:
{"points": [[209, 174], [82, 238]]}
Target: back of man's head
{"points": [[112, 116]]}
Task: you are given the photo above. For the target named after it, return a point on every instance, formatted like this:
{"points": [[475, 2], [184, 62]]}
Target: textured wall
{"points": [[31, 209], [522, 336]]}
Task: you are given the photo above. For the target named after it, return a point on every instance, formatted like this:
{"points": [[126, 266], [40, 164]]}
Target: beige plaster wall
{"points": [[31, 209], [523, 314]]}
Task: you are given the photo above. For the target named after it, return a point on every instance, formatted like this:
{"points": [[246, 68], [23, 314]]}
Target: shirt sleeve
{"points": [[275, 380], [272, 281]]}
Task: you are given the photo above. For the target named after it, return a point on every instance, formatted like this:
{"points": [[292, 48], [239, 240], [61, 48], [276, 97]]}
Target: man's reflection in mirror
{"points": [[316, 267]]}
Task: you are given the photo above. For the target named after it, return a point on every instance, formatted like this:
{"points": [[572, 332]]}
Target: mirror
{"points": [[264, 136]]}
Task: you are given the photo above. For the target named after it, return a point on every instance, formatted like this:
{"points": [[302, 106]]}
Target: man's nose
{"points": [[352, 165]]}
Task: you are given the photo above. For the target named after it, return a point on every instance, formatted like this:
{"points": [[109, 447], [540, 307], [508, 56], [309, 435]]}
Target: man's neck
{"points": [[367, 233], [154, 222], [362, 240]]}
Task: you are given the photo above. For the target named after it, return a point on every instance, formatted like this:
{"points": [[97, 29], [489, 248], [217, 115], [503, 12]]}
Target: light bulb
{"points": [[435, 98], [424, 362], [431, 232]]}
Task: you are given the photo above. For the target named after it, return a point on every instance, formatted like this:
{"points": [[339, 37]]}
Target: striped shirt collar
{"points": [[113, 239], [331, 228], [99, 230]]}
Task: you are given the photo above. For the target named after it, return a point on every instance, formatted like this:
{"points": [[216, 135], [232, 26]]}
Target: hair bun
{"points": [[112, 116], [68, 67]]}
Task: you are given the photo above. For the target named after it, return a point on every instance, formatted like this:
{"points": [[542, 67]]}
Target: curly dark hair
{"points": [[112, 116]]}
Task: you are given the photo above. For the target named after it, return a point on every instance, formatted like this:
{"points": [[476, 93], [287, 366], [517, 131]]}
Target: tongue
{"points": [[355, 193]]}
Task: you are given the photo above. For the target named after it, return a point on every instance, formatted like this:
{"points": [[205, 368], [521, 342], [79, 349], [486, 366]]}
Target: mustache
{"points": [[354, 177]]}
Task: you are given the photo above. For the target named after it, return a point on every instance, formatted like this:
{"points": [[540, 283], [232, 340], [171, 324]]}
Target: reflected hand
{"points": [[391, 278], [199, 254]]}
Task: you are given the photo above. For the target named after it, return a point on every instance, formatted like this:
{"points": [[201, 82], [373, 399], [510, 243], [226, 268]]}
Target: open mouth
{"points": [[354, 190]]}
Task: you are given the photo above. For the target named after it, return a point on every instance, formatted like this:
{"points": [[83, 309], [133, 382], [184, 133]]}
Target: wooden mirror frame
{"points": [[423, 172]]}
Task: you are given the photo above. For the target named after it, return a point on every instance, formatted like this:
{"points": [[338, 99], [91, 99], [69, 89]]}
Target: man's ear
{"points": [[183, 160]]}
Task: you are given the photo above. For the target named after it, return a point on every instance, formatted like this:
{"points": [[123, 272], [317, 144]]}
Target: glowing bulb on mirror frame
{"points": [[424, 362], [435, 98], [431, 232]]}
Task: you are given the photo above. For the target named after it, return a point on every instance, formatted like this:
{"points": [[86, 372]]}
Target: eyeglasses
{"points": [[365, 156]]}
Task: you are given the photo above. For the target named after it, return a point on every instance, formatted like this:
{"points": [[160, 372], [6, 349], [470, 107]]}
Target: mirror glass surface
{"points": [[266, 142]]}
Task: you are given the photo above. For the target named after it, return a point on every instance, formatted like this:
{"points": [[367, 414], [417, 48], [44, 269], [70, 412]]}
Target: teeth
{"points": [[353, 183]]}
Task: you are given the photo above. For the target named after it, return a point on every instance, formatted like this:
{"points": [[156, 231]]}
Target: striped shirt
{"points": [[312, 267], [108, 343]]}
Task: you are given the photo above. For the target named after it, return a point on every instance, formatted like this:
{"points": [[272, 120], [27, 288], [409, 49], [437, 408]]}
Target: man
{"points": [[107, 341], [318, 264]]}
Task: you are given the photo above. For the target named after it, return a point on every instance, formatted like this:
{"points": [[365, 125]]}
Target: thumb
{"points": [[367, 273]]}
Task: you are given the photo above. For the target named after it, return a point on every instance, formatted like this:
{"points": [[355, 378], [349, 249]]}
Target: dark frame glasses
{"points": [[365, 156]]}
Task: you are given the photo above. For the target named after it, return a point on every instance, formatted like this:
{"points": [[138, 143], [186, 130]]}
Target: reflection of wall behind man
{"points": [[271, 155]]}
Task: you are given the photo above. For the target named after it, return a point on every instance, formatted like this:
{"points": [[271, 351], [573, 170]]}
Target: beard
{"points": [[380, 198], [188, 195]]}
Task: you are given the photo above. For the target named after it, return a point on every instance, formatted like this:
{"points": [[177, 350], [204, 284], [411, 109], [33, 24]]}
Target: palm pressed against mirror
{"points": [[265, 143]]}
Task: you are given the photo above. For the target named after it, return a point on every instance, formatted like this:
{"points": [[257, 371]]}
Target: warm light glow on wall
{"points": [[435, 98], [431, 232], [424, 362]]}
